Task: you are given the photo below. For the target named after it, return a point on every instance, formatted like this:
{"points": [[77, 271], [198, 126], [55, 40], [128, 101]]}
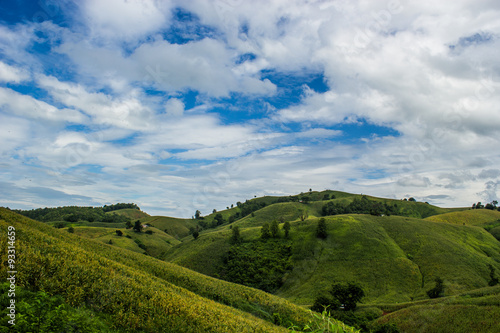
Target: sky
{"points": [[181, 106]]}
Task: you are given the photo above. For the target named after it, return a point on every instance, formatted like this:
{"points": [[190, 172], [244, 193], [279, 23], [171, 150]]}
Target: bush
{"points": [[438, 290]]}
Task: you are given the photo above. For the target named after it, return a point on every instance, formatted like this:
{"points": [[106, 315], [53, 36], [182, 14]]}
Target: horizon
{"points": [[179, 107]]}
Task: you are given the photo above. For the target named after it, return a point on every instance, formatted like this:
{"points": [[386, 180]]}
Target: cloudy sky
{"points": [[185, 105]]}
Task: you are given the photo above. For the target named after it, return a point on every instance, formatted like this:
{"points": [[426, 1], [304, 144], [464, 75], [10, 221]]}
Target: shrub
{"points": [[438, 290]]}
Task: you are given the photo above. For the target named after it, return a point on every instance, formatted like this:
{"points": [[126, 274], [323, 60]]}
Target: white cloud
{"points": [[12, 74], [27, 106], [125, 20]]}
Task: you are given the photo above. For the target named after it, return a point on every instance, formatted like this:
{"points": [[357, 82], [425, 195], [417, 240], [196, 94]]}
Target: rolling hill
{"points": [[137, 292]]}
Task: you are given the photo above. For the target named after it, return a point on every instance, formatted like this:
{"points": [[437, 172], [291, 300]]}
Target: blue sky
{"points": [[179, 106]]}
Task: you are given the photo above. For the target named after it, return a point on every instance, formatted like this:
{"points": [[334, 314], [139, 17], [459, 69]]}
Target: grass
{"points": [[133, 214], [178, 228], [476, 311], [394, 258], [477, 217], [157, 244], [140, 293]]}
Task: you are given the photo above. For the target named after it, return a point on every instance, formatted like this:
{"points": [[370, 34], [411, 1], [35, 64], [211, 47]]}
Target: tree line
{"points": [[77, 213]]}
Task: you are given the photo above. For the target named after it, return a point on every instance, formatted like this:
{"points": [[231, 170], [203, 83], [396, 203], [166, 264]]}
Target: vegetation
{"points": [[135, 292], [75, 213], [438, 290], [321, 230]]}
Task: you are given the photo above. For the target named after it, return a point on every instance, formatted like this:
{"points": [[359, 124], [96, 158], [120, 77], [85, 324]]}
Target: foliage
{"points": [[347, 294], [258, 264], [324, 323], [137, 226], [235, 235], [286, 228], [493, 279], [119, 233], [41, 312], [75, 213], [321, 230], [438, 290], [274, 229], [265, 233], [139, 293]]}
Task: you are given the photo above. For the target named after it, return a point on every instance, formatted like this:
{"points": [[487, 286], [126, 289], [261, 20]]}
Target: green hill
{"points": [[178, 228], [476, 217], [475, 311], [154, 244], [395, 258], [133, 214], [137, 292]]}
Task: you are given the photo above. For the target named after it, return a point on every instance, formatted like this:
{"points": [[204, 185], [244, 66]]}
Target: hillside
{"points": [[395, 258], [178, 228], [475, 311], [477, 217], [133, 214], [137, 292], [155, 243]]}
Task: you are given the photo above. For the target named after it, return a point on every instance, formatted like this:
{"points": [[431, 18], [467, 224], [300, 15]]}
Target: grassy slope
{"points": [[134, 214], [139, 291], [178, 228], [468, 217], [476, 311], [367, 249], [156, 244]]}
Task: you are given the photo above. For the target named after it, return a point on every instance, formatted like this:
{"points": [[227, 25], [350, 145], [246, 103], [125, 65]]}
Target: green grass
{"points": [[475, 311], [178, 228], [156, 244], [133, 214], [476, 217], [140, 293], [394, 258]]}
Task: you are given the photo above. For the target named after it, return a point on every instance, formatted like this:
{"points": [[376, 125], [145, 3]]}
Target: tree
{"points": [[286, 228], [214, 211], [275, 230], [218, 219], [303, 214], [119, 233], [438, 290], [321, 231], [138, 226], [264, 231], [326, 197], [235, 235], [71, 230], [129, 225], [196, 233], [197, 214], [412, 199], [493, 280], [348, 295]]}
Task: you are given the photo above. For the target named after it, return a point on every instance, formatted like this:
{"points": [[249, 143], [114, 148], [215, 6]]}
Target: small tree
{"points": [[129, 225], [197, 215], [438, 290], [493, 280], [348, 295], [138, 226], [264, 231], [71, 230], [119, 233], [196, 233], [275, 230], [235, 235], [218, 219], [303, 214], [321, 231], [286, 228]]}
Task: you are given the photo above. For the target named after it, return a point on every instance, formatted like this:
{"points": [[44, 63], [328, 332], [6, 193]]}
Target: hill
{"points": [[395, 258], [154, 242], [131, 213], [475, 311], [477, 217], [178, 228], [137, 292]]}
